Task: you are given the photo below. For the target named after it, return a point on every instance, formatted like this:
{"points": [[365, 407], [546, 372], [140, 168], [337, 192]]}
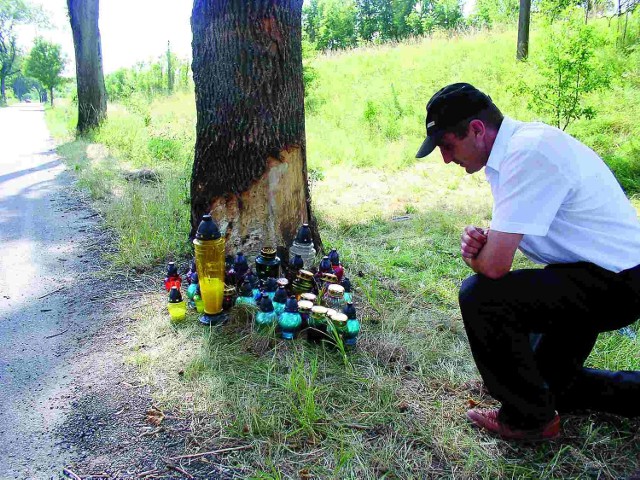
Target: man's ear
{"points": [[477, 127]]}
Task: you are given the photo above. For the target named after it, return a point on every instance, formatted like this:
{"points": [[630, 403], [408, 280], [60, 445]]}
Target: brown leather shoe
{"points": [[488, 419]]}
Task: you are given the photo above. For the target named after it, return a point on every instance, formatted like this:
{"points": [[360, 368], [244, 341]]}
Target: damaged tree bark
{"points": [[250, 167]]}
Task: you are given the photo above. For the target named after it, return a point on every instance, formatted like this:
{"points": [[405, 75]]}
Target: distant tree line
{"points": [[164, 75], [339, 24]]}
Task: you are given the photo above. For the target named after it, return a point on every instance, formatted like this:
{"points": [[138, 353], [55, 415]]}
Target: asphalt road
{"points": [[44, 313]]}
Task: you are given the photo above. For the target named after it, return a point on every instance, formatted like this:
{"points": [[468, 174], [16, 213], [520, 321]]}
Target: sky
{"points": [[131, 30]]}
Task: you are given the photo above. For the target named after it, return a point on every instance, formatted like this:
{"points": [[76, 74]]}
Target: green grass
{"points": [[394, 408]]}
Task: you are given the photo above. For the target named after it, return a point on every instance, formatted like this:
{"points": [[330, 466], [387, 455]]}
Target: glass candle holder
{"points": [[303, 283], [334, 297], [268, 263], [317, 324], [240, 267], [270, 287], [173, 278], [351, 335], [339, 322], [199, 303], [245, 297], [229, 297], [266, 317], [209, 251], [304, 308], [303, 246], [279, 300], [309, 297], [346, 284], [176, 305], [290, 320]]}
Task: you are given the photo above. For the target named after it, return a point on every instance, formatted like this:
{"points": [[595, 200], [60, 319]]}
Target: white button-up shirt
{"points": [[562, 197]]}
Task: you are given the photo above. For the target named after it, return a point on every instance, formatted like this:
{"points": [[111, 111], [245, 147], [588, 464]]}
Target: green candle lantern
{"points": [[209, 250], [317, 324], [246, 294], [290, 320], [266, 317]]}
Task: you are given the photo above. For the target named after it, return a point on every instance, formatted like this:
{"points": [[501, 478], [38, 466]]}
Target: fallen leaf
{"points": [[154, 416]]}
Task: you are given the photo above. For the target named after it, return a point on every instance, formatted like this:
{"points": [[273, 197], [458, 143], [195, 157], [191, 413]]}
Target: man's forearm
{"points": [[481, 265]]}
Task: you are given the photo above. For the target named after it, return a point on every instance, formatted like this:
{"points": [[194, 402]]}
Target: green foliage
{"points": [[45, 63], [149, 79], [490, 12], [568, 72], [333, 24], [12, 14]]}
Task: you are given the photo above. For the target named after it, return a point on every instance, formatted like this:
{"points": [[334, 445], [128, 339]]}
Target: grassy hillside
{"points": [[395, 407]]}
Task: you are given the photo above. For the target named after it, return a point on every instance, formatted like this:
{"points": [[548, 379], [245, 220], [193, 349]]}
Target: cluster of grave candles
{"points": [[292, 299]]}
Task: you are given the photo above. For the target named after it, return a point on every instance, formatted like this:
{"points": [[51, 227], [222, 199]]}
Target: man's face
{"points": [[469, 152]]}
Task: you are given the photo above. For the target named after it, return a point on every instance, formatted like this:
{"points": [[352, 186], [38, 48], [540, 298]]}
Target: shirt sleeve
{"points": [[531, 189]]}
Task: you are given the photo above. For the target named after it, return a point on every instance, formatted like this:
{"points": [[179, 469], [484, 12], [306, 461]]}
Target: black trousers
{"points": [[568, 304]]}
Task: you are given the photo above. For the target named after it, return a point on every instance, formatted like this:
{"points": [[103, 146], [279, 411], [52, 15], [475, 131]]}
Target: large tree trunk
{"points": [[250, 156], [92, 97]]}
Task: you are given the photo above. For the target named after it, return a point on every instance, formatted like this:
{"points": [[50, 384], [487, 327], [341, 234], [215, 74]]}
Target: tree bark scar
{"points": [[270, 211]]}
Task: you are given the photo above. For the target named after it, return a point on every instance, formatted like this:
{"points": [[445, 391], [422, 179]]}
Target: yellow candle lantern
{"points": [[209, 252]]}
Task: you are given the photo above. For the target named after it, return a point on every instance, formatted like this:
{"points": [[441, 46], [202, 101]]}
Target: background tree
{"points": [[171, 74], [524, 19], [92, 95], [12, 14], [23, 86], [45, 63], [250, 167], [568, 72]]}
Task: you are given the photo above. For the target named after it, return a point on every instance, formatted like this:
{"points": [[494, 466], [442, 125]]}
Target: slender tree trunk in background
{"points": [[170, 72], [92, 96], [523, 29], [3, 93], [250, 167], [51, 93]]}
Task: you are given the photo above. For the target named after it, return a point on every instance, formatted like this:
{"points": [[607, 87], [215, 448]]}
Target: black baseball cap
{"points": [[448, 107]]}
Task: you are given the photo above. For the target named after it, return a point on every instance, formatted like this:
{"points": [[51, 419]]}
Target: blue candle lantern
{"points": [[246, 295], [290, 320], [254, 281], [295, 265], [240, 267], [325, 265], [353, 325], [346, 284], [192, 270], [279, 300], [268, 263], [270, 287], [266, 317], [229, 271], [193, 287]]}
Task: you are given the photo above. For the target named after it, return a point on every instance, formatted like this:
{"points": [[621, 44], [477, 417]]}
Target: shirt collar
{"points": [[499, 149]]}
